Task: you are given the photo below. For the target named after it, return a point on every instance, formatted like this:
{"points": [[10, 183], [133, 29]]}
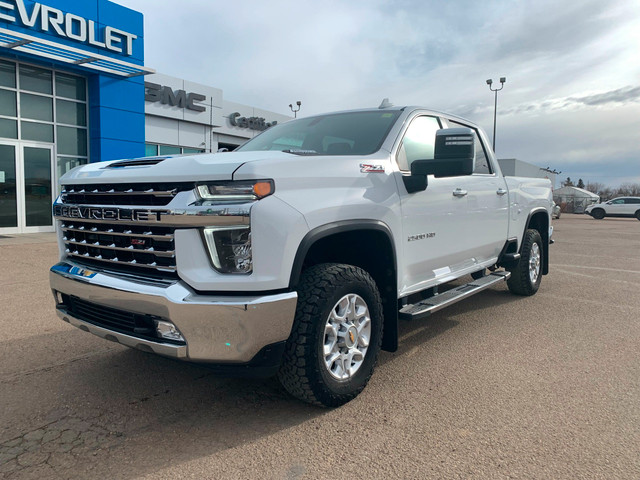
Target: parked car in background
{"points": [[555, 210], [618, 207]]}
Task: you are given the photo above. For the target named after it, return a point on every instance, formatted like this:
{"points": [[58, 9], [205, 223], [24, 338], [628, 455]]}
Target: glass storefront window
{"points": [[8, 103], [68, 86], [192, 150], [37, 186], [71, 113], [45, 106], [36, 79], [8, 128], [72, 141], [8, 195], [7, 74], [40, 132], [169, 150], [36, 107], [150, 150]]}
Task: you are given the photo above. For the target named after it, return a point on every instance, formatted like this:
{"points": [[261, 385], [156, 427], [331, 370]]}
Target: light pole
{"points": [[495, 106], [295, 111]]}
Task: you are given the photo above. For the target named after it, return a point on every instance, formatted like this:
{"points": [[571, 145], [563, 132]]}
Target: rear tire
{"points": [[526, 276], [336, 335], [598, 213], [637, 215]]}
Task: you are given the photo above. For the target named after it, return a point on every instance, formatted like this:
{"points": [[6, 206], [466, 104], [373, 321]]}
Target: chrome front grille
{"points": [[148, 194], [132, 246]]}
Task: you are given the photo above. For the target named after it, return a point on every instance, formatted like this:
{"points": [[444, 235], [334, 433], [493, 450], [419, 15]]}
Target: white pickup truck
{"points": [[297, 254]]}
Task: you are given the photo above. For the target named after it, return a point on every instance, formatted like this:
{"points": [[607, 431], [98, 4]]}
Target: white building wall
{"points": [[512, 167], [184, 127]]}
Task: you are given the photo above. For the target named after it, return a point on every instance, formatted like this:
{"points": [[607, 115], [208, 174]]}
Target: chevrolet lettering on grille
{"points": [[99, 213]]}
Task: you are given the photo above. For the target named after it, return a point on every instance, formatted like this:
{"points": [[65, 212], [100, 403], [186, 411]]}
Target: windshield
{"points": [[349, 133]]}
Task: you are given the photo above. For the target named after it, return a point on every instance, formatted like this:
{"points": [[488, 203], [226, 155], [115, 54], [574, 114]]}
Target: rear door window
{"points": [[482, 165]]}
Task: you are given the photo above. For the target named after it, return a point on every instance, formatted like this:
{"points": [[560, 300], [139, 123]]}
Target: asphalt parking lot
{"points": [[496, 386]]}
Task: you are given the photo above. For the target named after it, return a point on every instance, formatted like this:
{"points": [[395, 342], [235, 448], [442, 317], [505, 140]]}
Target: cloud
{"points": [[619, 96], [611, 99], [569, 65]]}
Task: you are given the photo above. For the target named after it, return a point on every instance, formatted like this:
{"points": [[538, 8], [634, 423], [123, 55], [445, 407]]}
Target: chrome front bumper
{"points": [[216, 328]]}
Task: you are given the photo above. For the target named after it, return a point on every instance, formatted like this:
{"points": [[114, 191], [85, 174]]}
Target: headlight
{"points": [[236, 191], [230, 248]]}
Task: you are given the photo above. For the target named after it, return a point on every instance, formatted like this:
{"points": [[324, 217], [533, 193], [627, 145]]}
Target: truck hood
{"points": [[178, 168]]}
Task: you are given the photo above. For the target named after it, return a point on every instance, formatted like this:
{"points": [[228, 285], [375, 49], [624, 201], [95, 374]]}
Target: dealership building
{"points": [[74, 89]]}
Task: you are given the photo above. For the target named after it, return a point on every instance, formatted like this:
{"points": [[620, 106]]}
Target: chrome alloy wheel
{"points": [[346, 336], [534, 263]]}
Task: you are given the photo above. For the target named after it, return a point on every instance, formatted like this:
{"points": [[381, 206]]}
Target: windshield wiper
{"points": [[296, 151]]}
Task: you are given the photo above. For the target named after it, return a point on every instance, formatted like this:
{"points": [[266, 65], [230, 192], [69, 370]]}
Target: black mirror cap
{"points": [[451, 167], [454, 154], [455, 143]]}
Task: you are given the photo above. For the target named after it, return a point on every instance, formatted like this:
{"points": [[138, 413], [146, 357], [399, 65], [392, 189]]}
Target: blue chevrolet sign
{"points": [[67, 25], [98, 39]]}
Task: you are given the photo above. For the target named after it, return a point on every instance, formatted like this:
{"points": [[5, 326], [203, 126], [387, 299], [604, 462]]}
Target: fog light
{"points": [[58, 296], [230, 248], [168, 330]]}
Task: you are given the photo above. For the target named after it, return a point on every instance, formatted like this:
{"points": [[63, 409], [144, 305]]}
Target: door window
{"points": [[8, 195], [481, 165], [418, 142], [37, 186]]}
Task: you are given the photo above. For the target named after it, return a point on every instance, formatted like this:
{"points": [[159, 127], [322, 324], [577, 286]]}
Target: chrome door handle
{"points": [[458, 192], [501, 191]]}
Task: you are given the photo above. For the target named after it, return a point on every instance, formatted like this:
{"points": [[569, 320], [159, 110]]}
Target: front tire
{"points": [[598, 213], [336, 335], [526, 276], [637, 215]]}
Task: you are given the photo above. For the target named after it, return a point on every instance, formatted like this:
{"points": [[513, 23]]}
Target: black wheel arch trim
{"points": [[544, 235], [390, 305], [333, 228]]}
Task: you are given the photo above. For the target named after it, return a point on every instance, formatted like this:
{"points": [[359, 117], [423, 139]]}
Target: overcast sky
{"points": [[571, 101]]}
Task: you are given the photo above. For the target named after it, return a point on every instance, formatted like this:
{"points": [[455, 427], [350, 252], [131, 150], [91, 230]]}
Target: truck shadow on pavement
{"points": [[122, 412], [414, 333]]}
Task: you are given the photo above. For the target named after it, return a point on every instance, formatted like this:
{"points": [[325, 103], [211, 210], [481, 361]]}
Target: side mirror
{"points": [[454, 153], [454, 156]]}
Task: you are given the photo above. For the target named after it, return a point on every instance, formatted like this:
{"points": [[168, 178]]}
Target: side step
{"points": [[442, 300]]}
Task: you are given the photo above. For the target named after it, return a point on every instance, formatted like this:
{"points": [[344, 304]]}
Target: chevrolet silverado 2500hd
{"points": [[296, 254]]}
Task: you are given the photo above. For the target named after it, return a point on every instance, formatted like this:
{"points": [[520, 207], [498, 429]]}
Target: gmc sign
{"points": [[155, 93]]}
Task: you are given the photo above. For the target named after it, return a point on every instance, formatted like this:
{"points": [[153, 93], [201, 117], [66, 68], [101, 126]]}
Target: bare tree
{"points": [[629, 189], [606, 194], [594, 187]]}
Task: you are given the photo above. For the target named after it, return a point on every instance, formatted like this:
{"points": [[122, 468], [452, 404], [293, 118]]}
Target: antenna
{"points": [[385, 104]]}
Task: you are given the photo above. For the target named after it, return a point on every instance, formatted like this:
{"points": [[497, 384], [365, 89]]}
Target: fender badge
{"points": [[367, 168], [421, 236]]}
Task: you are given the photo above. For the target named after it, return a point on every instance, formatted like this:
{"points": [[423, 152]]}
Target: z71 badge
{"points": [[367, 168]]}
